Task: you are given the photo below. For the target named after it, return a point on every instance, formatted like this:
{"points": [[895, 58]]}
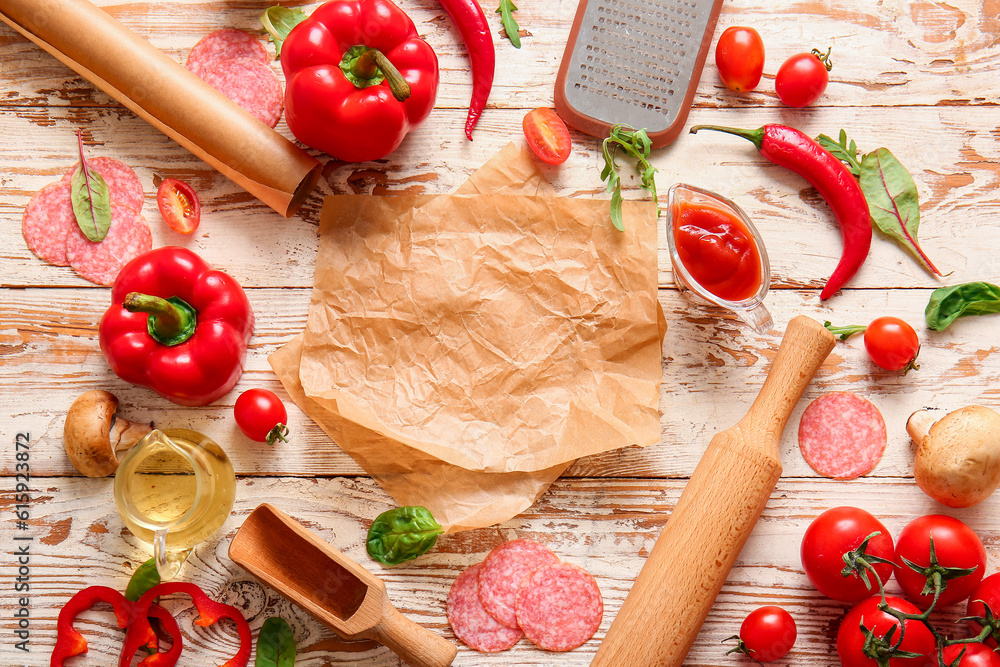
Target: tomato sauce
{"points": [[717, 249]]}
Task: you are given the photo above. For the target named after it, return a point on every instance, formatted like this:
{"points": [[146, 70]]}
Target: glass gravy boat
{"points": [[173, 490], [750, 309]]}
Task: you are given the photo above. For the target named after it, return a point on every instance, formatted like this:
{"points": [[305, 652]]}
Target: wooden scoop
{"points": [[715, 515], [341, 594]]}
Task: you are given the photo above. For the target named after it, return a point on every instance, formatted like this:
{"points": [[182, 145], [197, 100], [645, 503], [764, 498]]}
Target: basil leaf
{"points": [[892, 201], [949, 303], [144, 578], [844, 150], [278, 23], [506, 11], [637, 144], [402, 534], [275, 644], [91, 203]]}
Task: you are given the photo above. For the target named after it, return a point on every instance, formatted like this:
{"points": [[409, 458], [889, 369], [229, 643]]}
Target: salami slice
{"points": [[128, 236], [251, 84], [502, 572], [559, 606], [124, 187], [220, 45], [842, 435], [48, 221], [470, 622]]}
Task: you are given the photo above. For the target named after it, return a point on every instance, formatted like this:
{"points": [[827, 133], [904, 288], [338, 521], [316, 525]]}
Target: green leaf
{"points": [[636, 144], [275, 644], [892, 201], [278, 23], [402, 534], [506, 12], [91, 200], [144, 578], [844, 150], [949, 303]]}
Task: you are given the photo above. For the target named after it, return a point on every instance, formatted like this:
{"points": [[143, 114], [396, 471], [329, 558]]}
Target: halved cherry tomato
{"points": [[261, 416], [802, 78], [892, 343], [739, 57], [547, 135], [179, 205]]}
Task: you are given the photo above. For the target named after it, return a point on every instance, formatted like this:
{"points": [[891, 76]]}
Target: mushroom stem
{"points": [[124, 433], [919, 425]]}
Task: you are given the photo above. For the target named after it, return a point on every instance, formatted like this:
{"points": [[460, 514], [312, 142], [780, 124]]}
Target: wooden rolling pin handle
{"points": [[715, 515], [415, 644]]}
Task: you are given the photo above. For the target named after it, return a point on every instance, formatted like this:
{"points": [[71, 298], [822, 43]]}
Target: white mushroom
{"points": [[93, 433], [958, 458]]}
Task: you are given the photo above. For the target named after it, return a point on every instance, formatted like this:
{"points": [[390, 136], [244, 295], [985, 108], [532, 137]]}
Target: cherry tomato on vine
{"points": [[955, 546], [976, 655], [834, 533], [892, 343], [986, 593], [261, 416], [851, 639], [768, 633], [739, 57], [802, 78], [547, 135], [179, 205]]}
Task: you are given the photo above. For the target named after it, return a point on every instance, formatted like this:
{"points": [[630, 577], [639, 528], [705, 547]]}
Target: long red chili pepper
{"points": [[209, 612], [468, 17], [787, 147]]}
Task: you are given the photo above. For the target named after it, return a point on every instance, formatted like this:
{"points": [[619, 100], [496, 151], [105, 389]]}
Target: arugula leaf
{"points": [[892, 201], [275, 644], [91, 199], [278, 21], [947, 304], [846, 152], [402, 534], [144, 578], [506, 11], [635, 143]]}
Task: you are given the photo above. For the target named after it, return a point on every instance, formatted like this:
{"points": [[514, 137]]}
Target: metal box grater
{"points": [[636, 62]]}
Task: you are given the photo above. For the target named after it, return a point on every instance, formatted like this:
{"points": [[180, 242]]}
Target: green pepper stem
{"points": [[756, 136], [171, 321], [372, 62]]}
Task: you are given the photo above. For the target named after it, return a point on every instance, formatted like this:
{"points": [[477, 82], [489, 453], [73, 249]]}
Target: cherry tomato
{"points": [[834, 533], [261, 416], [767, 633], [739, 57], [955, 545], [179, 205], [802, 78], [851, 640], [986, 593], [892, 343], [547, 135], [976, 655]]}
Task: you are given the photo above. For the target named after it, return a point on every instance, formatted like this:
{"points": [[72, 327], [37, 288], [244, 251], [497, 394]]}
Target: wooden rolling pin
{"points": [[718, 509]]}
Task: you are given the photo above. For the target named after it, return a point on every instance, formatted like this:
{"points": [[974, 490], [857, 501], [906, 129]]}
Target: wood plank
{"points": [[956, 173], [712, 368], [605, 526], [901, 52]]}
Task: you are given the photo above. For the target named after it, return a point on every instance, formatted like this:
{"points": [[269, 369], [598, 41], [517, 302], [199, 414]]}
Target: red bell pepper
{"points": [[69, 642], [177, 326], [347, 70], [209, 613]]}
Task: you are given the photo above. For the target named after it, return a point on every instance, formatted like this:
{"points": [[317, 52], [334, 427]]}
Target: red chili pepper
{"points": [[787, 147], [359, 78], [468, 17], [69, 642], [209, 613], [177, 326]]}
